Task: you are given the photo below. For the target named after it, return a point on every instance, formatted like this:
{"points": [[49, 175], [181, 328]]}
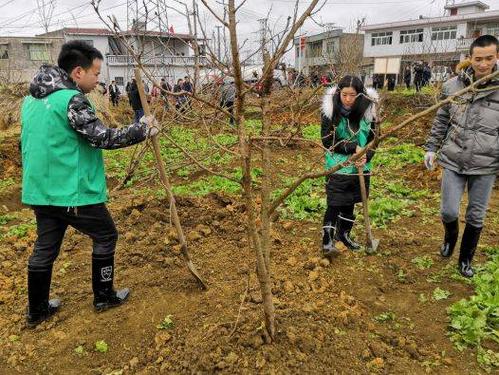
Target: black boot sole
{"points": [[33, 323], [103, 306]]}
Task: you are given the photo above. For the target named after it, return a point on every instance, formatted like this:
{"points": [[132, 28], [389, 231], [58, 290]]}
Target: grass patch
{"points": [[312, 132], [398, 155], [307, 202]]}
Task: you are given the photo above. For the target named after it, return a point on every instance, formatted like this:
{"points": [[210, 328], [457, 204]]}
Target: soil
{"points": [[325, 310]]}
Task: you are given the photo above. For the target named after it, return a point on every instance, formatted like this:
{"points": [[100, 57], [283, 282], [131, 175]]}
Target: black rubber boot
{"points": [[328, 234], [450, 239], [105, 297], [469, 242], [40, 308], [345, 225]]}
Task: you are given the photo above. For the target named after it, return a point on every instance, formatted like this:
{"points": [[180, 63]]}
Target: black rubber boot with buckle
{"points": [[345, 225], [105, 297], [469, 242], [40, 308], [450, 239], [328, 238]]}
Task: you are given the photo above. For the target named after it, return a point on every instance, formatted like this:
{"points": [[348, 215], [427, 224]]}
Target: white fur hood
{"points": [[369, 115]]}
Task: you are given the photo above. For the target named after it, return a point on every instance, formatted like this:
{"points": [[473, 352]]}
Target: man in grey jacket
{"points": [[465, 140]]}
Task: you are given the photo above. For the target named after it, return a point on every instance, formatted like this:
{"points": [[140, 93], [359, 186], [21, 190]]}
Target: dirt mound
{"points": [[10, 158]]}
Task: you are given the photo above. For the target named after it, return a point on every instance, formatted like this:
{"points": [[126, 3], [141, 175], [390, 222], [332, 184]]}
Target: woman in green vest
{"points": [[348, 117]]}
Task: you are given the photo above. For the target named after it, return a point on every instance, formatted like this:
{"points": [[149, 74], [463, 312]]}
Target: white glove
{"points": [[153, 127], [429, 160]]}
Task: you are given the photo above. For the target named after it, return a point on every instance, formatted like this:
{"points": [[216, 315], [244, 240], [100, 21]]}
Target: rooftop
{"points": [[106, 32], [468, 4], [494, 14]]}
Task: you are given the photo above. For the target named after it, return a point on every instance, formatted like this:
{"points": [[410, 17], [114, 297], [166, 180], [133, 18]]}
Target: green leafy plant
{"points": [[397, 156], [384, 210], [20, 230], [4, 219], [101, 346], [423, 262], [476, 319], [422, 298], [80, 350], [308, 201], [312, 132], [385, 317], [166, 323], [6, 183], [440, 294]]}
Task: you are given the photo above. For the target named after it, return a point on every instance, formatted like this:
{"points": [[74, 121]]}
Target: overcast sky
{"points": [[20, 17]]}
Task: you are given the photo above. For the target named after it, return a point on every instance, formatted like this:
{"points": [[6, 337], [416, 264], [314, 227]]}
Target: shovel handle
{"points": [[365, 207], [166, 183]]}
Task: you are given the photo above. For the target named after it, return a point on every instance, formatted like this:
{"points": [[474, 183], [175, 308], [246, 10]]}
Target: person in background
{"points": [[165, 89], [407, 77], [180, 100], [114, 93], [135, 101], [187, 87], [228, 97]]}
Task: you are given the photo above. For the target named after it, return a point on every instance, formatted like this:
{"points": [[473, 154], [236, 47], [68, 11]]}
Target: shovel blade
{"points": [[195, 273], [373, 246]]}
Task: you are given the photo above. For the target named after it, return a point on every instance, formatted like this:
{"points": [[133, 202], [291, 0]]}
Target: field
{"points": [[395, 312]]}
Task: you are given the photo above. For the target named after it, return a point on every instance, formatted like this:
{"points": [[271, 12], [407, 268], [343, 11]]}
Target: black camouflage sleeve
{"points": [[83, 120]]}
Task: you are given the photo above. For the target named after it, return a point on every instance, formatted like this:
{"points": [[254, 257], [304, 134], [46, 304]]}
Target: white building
{"points": [[321, 52], [440, 41], [163, 54]]}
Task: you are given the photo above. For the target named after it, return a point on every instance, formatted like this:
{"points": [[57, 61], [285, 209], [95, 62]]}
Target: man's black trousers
{"points": [[52, 222]]}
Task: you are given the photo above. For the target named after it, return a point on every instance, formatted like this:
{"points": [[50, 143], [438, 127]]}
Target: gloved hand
{"points": [[153, 126], [429, 160]]}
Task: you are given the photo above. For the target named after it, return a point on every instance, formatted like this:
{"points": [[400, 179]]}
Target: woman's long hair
{"points": [[360, 105]]}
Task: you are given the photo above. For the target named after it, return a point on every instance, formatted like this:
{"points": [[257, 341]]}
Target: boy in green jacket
{"points": [[63, 174]]}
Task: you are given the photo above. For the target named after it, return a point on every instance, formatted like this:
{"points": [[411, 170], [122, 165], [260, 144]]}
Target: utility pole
{"points": [[218, 41], [196, 49]]}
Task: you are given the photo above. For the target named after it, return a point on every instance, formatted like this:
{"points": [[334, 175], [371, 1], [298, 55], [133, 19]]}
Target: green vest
{"points": [[344, 132], [60, 168]]}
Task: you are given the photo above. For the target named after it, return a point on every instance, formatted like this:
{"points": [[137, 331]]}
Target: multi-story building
{"points": [[439, 41], [163, 54], [322, 52], [20, 57]]}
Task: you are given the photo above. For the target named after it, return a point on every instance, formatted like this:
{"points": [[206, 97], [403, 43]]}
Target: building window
{"points": [[315, 49], [38, 52], [119, 81], [202, 50], [330, 47], [90, 42], [411, 36], [4, 52], [381, 38], [443, 33], [493, 29]]}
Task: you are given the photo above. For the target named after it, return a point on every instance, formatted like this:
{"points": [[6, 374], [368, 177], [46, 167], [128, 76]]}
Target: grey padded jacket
{"points": [[465, 133]]}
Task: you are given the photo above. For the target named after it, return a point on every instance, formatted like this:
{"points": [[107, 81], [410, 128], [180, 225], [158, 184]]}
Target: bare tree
{"points": [[257, 148]]}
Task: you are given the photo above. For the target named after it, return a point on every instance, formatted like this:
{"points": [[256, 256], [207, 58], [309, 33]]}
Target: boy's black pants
{"points": [[52, 222]]}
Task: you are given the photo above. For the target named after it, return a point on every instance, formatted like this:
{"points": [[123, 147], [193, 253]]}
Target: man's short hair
{"points": [[484, 41], [77, 53]]}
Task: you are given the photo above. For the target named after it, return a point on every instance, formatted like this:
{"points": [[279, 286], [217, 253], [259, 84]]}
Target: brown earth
{"points": [[325, 310]]}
